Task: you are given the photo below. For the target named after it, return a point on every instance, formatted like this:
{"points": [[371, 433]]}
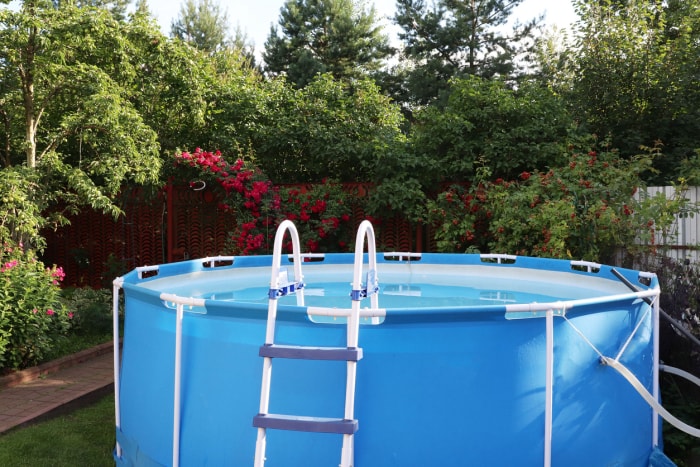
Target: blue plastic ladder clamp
{"points": [[280, 286]]}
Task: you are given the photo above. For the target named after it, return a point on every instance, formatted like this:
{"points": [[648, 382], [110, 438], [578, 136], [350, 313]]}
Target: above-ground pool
{"points": [[467, 360]]}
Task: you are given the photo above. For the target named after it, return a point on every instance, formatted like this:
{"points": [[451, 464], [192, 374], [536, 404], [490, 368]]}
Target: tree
{"points": [[326, 129], [553, 65], [485, 123], [118, 8], [340, 37], [455, 38], [202, 24], [636, 77], [66, 114]]}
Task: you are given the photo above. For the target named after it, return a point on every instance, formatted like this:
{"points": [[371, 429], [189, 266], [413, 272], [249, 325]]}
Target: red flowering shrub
{"points": [[585, 209], [320, 212]]}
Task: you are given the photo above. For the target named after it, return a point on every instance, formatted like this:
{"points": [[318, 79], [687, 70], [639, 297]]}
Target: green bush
{"points": [[32, 316], [584, 209], [91, 311], [487, 122]]}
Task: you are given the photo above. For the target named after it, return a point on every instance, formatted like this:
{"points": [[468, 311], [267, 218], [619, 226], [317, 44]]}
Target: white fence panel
{"points": [[683, 242]]}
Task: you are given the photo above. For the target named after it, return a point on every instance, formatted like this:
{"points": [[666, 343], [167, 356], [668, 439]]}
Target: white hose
{"points": [[639, 387], [681, 373]]}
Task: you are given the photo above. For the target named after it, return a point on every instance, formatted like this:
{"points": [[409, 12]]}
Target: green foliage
{"points": [[680, 298], [71, 117], [485, 122], [32, 315], [20, 210], [118, 8], [339, 37], [582, 210], [78, 61], [325, 130], [452, 39], [553, 63], [91, 311], [202, 24], [172, 90], [398, 193], [635, 77]]}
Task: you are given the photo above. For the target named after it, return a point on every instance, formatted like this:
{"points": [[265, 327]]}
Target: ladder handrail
{"points": [[351, 353], [365, 231], [285, 226]]}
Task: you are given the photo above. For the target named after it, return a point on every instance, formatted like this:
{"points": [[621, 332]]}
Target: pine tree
{"points": [[340, 37], [202, 24], [457, 38]]}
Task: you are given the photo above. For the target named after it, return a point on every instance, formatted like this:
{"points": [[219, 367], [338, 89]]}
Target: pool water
{"points": [[427, 287]]}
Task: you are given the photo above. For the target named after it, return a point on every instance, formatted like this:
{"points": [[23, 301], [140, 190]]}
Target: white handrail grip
{"points": [[499, 257], [401, 255], [589, 265], [213, 259], [141, 269], [178, 300], [290, 256]]}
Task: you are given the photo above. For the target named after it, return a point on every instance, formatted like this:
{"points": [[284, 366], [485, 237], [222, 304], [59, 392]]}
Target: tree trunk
{"points": [[27, 77], [30, 138]]}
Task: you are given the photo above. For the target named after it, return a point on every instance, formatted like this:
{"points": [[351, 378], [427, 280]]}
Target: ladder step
{"points": [[301, 352], [309, 424]]}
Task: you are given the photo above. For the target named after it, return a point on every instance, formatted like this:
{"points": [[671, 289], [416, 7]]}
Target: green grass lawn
{"points": [[82, 437]]}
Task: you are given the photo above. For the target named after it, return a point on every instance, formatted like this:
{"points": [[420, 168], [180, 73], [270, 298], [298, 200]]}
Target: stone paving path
{"points": [[44, 390]]}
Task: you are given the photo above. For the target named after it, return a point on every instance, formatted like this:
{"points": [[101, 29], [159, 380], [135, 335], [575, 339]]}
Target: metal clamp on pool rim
{"points": [[371, 288], [274, 294], [288, 287]]}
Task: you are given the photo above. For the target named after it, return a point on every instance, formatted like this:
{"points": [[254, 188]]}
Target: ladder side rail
{"points": [[285, 226], [365, 231]]}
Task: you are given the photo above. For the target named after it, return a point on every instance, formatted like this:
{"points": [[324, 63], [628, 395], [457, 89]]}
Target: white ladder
{"points": [[348, 425]]}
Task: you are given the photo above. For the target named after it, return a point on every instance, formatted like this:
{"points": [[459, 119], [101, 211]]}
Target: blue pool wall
{"points": [[446, 386]]}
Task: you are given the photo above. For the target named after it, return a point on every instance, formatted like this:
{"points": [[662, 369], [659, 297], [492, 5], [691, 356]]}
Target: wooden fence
{"points": [[174, 224], [179, 223]]}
